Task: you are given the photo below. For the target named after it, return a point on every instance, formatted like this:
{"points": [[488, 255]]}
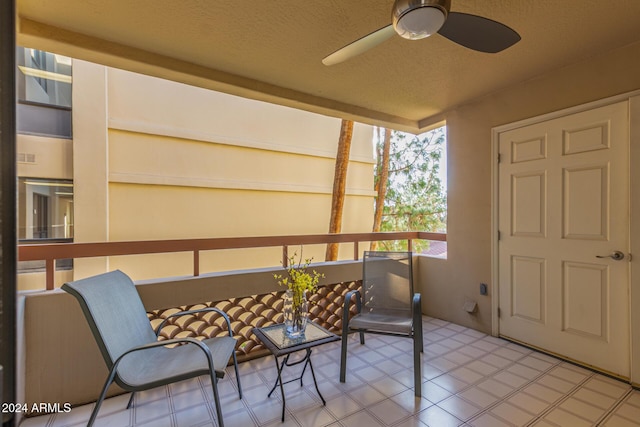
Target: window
{"points": [[416, 188], [45, 209], [44, 93]]}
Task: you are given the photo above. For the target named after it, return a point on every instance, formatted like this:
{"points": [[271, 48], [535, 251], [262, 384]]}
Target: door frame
{"points": [[633, 98]]}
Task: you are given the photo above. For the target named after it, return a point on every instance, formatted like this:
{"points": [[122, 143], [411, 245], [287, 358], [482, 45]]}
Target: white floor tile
{"points": [[238, 419], [367, 395], [389, 412], [481, 367], [450, 383], [192, 416], [433, 392], [524, 371], [606, 386], [528, 403], [360, 419], [568, 374], [459, 407], [555, 383], [510, 379], [411, 422], [634, 398], [410, 402], [388, 386], [543, 393], [436, 416], [513, 414], [564, 418], [593, 398], [479, 397], [467, 377], [628, 411], [495, 387], [488, 420], [582, 409], [315, 417], [342, 406], [151, 410], [616, 421]]}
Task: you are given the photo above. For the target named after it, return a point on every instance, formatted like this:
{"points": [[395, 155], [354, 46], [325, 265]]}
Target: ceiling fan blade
{"points": [[478, 33], [359, 46]]}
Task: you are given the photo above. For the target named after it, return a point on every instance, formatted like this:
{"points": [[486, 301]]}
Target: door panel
{"points": [[585, 299], [528, 286], [564, 200], [528, 204], [586, 194]]}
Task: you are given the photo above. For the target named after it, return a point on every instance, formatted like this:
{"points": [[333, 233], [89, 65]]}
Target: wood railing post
{"points": [[410, 245], [50, 270], [196, 262], [285, 256], [356, 252]]}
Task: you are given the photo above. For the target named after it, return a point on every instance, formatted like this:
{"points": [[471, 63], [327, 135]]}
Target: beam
{"points": [[8, 242]]}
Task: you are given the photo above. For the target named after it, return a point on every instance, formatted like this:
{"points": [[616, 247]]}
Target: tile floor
{"points": [[470, 379]]}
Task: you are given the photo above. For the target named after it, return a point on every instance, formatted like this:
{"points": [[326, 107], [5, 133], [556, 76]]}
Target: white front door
{"points": [[563, 205]]}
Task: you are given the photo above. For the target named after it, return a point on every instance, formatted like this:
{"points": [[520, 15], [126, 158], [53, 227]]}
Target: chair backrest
{"points": [[387, 281], [114, 311]]}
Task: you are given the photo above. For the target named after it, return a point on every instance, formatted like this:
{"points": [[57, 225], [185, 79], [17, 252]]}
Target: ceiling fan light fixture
{"points": [[417, 19]]}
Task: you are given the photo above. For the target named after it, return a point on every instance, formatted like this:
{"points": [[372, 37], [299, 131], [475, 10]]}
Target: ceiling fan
{"points": [[417, 19]]}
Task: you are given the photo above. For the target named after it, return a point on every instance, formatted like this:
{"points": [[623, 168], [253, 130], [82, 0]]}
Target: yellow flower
{"points": [[298, 279]]}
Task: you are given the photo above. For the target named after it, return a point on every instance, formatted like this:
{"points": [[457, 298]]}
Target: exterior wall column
{"points": [[8, 237], [634, 179], [90, 163]]}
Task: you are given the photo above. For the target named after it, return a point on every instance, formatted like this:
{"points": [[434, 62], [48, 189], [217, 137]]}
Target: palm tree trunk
{"points": [[382, 177], [339, 184]]}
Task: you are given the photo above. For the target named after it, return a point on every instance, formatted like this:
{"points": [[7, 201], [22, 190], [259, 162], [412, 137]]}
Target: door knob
{"points": [[616, 256]]}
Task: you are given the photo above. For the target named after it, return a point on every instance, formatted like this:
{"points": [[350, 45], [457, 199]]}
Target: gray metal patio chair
{"points": [[135, 358], [388, 306]]}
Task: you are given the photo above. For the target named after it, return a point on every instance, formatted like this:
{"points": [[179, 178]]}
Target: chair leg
{"points": [[361, 338], [235, 365], [343, 353], [417, 367], [107, 383], [131, 400], [216, 398]]}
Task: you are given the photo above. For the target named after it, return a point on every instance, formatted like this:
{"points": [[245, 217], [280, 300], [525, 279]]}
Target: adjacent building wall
{"points": [[154, 159]]}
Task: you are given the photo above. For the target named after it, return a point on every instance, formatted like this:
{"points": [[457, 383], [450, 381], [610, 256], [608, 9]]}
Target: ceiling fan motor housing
{"points": [[417, 19]]}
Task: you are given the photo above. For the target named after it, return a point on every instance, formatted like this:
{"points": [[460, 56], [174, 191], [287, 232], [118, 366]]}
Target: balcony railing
{"points": [[53, 251]]}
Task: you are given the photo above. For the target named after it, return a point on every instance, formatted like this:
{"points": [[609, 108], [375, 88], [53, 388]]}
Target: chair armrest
{"points": [[417, 306], [417, 323], [347, 303], [200, 310], [345, 309], [148, 346]]}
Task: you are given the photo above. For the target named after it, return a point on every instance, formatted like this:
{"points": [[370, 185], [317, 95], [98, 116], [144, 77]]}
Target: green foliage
{"points": [[298, 279], [415, 198]]}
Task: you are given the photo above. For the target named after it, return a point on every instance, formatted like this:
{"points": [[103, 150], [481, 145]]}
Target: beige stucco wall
{"points": [[448, 283], [53, 157], [154, 159], [184, 162]]}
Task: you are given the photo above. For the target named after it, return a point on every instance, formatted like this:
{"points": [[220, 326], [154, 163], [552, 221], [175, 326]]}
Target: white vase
{"points": [[296, 313]]}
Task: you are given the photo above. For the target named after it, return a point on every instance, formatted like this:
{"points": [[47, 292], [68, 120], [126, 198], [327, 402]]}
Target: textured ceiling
{"points": [[272, 50]]}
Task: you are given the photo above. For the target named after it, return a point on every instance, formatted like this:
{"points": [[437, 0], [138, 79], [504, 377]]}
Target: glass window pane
{"points": [[43, 77], [45, 209]]}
